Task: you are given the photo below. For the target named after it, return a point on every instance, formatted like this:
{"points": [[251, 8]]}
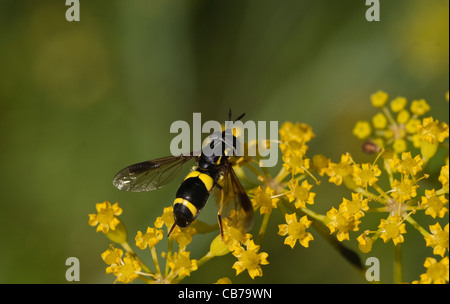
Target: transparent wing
{"points": [[150, 175], [235, 198]]}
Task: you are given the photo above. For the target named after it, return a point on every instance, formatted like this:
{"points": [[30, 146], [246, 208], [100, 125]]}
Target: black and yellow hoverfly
{"points": [[214, 170]]}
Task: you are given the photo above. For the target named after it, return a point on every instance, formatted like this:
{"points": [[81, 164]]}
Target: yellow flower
{"points": [[295, 163], [106, 216], [183, 236], [355, 207], [367, 175], [295, 230], [112, 256], [435, 205], [264, 200], [250, 259], [337, 172], [419, 107], [432, 131], [392, 228], [379, 121], [403, 190], [362, 129], [407, 164], [300, 194], [398, 104], [150, 238], [224, 280], [364, 243], [342, 222], [379, 99], [437, 272], [438, 239], [403, 117], [399, 145], [166, 218], [299, 132], [320, 162], [218, 247], [444, 176], [411, 125], [127, 270], [233, 233], [181, 264]]}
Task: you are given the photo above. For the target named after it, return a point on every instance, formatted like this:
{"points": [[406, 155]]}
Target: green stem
{"points": [[319, 224], [169, 253], [398, 264], [262, 229], [155, 259], [442, 191], [145, 279], [416, 225], [205, 258], [281, 175], [255, 171], [128, 249], [318, 217]]}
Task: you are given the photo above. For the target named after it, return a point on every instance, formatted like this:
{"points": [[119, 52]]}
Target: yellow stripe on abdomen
{"points": [[188, 204], [207, 181], [205, 178]]}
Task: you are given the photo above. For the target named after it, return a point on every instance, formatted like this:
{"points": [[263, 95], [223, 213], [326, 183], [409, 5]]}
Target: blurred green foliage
{"points": [[81, 100]]}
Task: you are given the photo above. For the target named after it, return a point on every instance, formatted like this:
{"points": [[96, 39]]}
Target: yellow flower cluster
{"points": [[396, 125], [396, 185], [178, 264], [403, 172]]}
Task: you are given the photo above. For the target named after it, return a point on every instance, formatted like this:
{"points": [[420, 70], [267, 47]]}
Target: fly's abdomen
{"points": [[191, 197]]}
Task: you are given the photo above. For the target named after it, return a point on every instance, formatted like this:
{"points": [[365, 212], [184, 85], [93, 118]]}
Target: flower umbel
{"points": [[405, 183]]}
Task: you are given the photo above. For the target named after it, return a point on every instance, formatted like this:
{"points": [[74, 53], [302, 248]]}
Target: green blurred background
{"points": [[81, 100]]}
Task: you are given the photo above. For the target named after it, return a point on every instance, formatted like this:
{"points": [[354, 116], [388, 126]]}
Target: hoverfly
{"points": [[214, 171]]}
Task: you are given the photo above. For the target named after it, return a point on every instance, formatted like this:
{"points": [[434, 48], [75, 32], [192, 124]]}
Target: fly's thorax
{"points": [[223, 143]]}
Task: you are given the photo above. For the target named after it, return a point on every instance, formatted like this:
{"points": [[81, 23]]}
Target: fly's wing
{"points": [[150, 175], [235, 198]]}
